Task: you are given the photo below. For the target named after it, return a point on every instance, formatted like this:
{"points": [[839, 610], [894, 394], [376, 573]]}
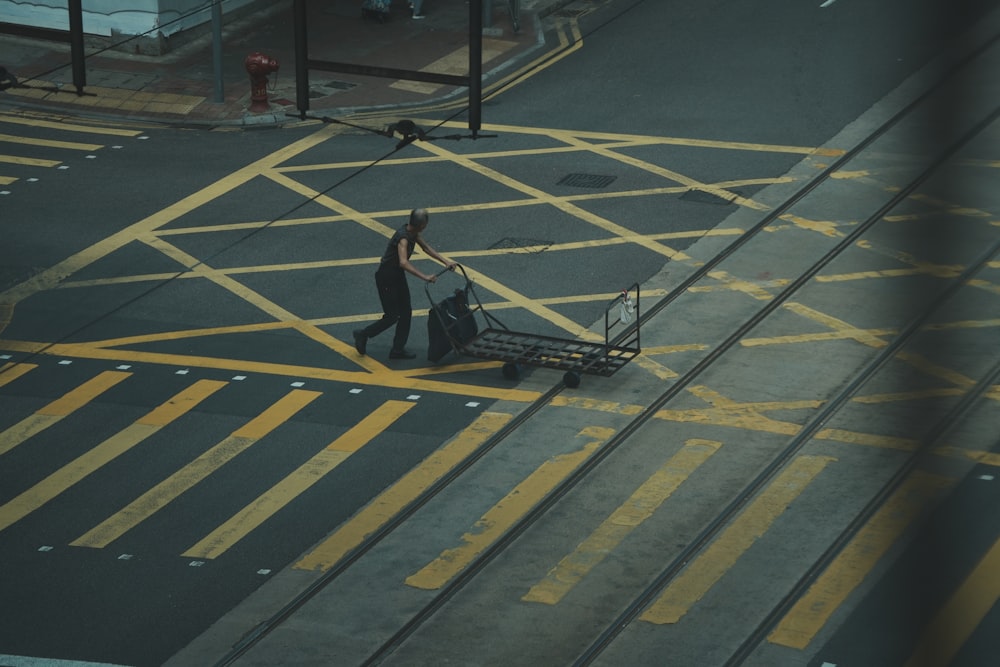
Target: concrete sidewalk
{"points": [[180, 86]]}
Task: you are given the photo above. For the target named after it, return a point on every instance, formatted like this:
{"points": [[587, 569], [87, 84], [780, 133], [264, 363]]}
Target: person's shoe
{"points": [[360, 341], [418, 16], [401, 354]]}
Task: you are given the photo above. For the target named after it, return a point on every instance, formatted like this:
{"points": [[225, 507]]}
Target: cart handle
{"points": [[447, 269]]}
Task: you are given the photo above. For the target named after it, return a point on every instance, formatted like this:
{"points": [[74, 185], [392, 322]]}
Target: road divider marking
{"points": [[394, 499], [187, 477], [811, 612], [708, 568], [11, 371], [502, 516], [59, 481], [50, 143], [308, 474], [639, 507], [57, 409]]}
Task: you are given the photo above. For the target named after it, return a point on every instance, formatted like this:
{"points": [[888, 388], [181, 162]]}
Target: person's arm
{"points": [[434, 253], [407, 265]]}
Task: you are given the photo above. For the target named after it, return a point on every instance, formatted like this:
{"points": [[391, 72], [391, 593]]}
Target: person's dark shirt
{"points": [[390, 260]]}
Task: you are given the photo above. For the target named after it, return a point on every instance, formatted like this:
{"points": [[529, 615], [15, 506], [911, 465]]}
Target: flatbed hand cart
{"points": [[457, 319]]}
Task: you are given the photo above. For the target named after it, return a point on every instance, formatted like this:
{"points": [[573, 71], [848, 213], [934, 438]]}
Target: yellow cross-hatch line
{"points": [[391, 501], [58, 409], [166, 491], [703, 573], [505, 513], [50, 143], [955, 622], [639, 507], [282, 493], [11, 371], [118, 444], [846, 572]]}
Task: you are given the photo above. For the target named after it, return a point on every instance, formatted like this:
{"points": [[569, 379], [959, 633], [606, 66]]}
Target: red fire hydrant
{"points": [[258, 66]]}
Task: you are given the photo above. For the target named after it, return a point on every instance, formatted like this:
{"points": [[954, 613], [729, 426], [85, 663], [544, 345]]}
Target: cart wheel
{"points": [[511, 371], [571, 379]]}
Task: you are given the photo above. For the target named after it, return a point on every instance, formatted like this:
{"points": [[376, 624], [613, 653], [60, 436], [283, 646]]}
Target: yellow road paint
{"points": [[392, 501], [639, 507], [116, 445], [852, 565], [57, 409], [457, 63], [708, 568], [278, 496], [50, 143], [11, 371], [28, 161], [387, 378], [68, 127], [942, 639], [187, 477], [505, 513], [52, 276]]}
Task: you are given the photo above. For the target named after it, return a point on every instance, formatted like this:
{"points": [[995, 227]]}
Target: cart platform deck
{"points": [[497, 342]]}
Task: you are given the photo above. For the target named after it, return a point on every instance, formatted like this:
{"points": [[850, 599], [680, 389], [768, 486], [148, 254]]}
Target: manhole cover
{"points": [[587, 180]]}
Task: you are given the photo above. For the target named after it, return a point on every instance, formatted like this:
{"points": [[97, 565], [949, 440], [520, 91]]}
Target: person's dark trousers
{"points": [[394, 293]]}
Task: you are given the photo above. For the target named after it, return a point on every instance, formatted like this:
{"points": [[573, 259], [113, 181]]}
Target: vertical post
{"points": [[76, 45], [475, 66], [301, 57], [220, 93]]}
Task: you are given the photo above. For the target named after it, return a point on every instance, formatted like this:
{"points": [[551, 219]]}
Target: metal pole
{"points": [[475, 65], [220, 93], [301, 58], [76, 45]]}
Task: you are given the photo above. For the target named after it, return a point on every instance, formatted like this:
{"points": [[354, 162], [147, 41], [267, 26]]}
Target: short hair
{"points": [[418, 217]]}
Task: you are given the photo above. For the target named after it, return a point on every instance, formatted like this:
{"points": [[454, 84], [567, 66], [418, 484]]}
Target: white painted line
{"points": [[5, 356], [65, 362], [263, 572], [196, 563], [827, 4], [413, 397], [986, 478], [357, 391], [4, 192], [32, 180], [64, 166], [117, 147], [239, 378], [123, 367], [142, 138], [46, 548], [91, 157], [298, 384], [125, 557], [472, 404], [829, 664], [26, 661], [183, 371]]}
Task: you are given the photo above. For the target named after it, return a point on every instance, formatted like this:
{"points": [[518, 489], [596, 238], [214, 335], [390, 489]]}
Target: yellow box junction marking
{"points": [[505, 513], [116, 445], [59, 408], [11, 371], [392, 501], [639, 507], [50, 143], [852, 565], [958, 619], [708, 568], [278, 496], [187, 477]]}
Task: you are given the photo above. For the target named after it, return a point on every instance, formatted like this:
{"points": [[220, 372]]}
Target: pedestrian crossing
{"points": [[75, 400], [30, 145], [43, 473]]}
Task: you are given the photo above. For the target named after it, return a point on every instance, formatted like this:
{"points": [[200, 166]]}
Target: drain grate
{"points": [[528, 245], [587, 180]]}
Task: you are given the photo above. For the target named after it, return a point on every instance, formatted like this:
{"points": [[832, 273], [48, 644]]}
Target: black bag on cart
{"points": [[451, 317], [375, 9]]}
